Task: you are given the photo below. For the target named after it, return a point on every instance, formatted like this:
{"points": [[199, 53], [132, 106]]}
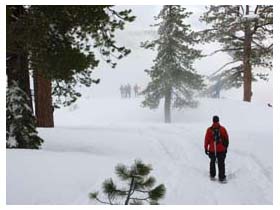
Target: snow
{"points": [[11, 142], [89, 140], [251, 16]]}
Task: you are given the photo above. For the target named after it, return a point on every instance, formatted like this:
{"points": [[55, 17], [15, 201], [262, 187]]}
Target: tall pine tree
{"points": [[245, 33], [173, 77]]}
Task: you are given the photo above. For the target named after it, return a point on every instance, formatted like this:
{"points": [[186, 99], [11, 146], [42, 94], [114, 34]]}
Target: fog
{"points": [[131, 68]]}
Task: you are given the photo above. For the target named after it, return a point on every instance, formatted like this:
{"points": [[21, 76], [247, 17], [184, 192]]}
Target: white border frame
{"points": [[276, 102]]}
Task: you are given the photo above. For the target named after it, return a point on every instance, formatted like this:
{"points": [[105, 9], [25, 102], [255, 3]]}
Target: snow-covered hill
{"points": [[90, 138]]}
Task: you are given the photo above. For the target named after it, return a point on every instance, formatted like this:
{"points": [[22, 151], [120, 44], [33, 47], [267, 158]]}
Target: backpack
{"points": [[216, 134], [217, 137]]}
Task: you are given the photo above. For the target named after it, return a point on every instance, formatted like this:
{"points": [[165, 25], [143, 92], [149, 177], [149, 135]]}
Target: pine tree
{"points": [[173, 77], [245, 33], [139, 189], [59, 43], [20, 122]]}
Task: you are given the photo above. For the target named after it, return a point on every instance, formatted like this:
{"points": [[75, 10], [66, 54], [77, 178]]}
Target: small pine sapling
{"points": [[139, 188]]}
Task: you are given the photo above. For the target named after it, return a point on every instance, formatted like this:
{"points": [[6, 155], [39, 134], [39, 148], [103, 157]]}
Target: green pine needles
{"points": [[63, 41], [173, 76], [139, 188], [20, 123], [245, 32]]}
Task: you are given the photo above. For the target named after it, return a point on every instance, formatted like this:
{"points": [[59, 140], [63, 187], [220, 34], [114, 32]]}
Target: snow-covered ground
{"points": [[90, 138]]}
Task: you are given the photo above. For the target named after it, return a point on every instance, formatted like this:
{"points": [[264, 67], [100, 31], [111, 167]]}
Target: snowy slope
{"points": [[90, 138]]}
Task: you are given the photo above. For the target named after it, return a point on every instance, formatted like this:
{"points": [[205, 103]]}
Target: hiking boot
{"points": [[223, 180]]}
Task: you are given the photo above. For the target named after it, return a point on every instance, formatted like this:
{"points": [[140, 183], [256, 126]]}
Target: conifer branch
{"points": [[136, 175]]}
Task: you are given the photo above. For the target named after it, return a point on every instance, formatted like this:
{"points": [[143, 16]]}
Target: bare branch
{"points": [[206, 30], [270, 46], [115, 13], [109, 199], [100, 201], [221, 68], [236, 37], [142, 191], [241, 7], [224, 50], [260, 26], [235, 11], [140, 199], [256, 9], [261, 46], [267, 30]]}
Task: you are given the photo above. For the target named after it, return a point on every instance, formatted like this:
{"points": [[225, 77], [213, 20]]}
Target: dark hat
{"points": [[215, 118]]}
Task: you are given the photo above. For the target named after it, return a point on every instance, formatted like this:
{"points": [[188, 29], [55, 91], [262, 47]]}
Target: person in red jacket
{"points": [[216, 144]]}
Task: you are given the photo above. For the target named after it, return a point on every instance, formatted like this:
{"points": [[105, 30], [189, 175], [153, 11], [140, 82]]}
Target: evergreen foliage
{"points": [[228, 25], [173, 76], [61, 41], [139, 186], [20, 122]]}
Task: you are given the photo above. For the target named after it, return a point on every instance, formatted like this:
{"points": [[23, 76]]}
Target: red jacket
{"points": [[209, 139]]}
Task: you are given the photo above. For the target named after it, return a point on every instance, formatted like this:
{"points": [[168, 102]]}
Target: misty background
{"points": [[131, 68]]}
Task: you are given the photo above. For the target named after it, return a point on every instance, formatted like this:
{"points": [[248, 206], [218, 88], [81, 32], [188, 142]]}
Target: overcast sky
{"points": [[131, 68]]}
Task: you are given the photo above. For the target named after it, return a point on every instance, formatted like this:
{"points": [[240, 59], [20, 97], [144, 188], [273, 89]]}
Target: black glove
{"points": [[206, 152]]}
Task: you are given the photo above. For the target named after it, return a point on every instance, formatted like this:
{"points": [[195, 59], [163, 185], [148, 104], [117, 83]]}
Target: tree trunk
{"points": [[130, 191], [247, 76], [17, 59], [167, 107], [43, 100]]}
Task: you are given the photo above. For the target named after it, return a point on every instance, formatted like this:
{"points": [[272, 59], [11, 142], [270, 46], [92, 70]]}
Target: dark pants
{"points": [[221, 156]]}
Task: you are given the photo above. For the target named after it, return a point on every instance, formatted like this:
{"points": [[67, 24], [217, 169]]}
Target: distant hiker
{"points": [[216, 144], [136, 90], [128, 90], [122, 91]]}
